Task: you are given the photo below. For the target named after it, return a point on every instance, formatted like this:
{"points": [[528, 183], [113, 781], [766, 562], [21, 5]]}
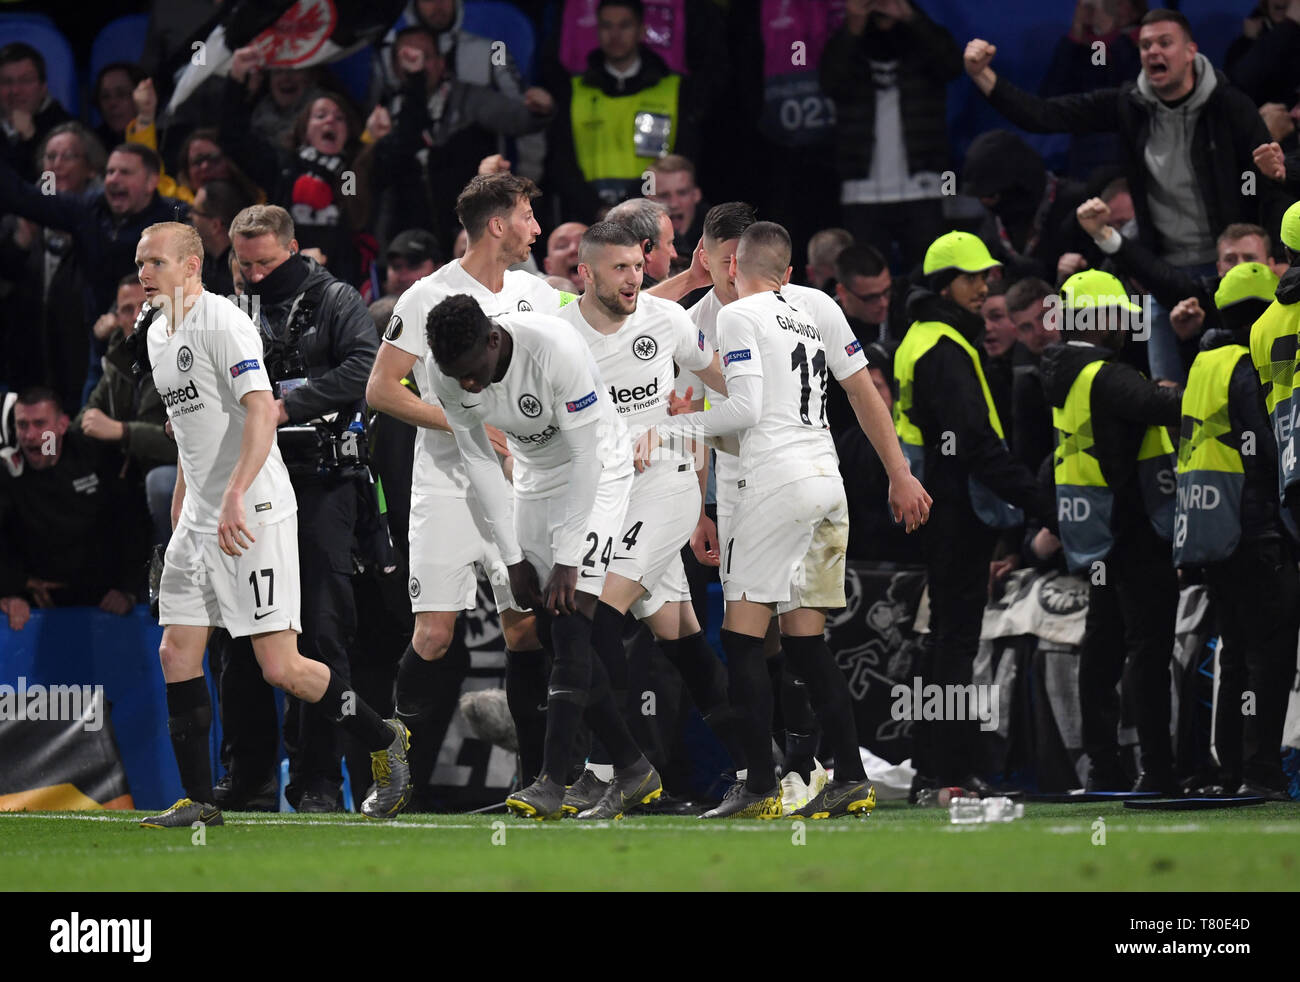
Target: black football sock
{"points": [[566, 694], [526, 697], [607, 640], [350, 711], [802, 733], [189, 717], [416, 679], [750, 691], [706, 680], [607, 722], [812, 661]]}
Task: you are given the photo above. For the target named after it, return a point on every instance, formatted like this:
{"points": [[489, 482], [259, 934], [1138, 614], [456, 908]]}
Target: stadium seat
{"points": [[60, 65], [504, 22], [120, 40], [354, 72], [1214, 25]]}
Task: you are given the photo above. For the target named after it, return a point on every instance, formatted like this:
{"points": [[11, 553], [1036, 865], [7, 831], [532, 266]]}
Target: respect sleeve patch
{"points": [[251, 365], [733, 356], [701, 340], [579, 404]]}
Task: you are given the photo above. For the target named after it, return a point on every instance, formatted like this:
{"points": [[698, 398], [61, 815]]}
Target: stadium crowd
{"points": [[1088, 365]]}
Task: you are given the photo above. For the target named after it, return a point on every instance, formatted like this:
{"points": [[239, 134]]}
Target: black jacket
{"points": [[1032, 433], [105, 243], [928, 59], [1124, 404], [312, 188], [947, 398], [424, 163], [22, 153], [1267, 69], [1168, 284], [75, 523], [1228, 129], [338, 347]]}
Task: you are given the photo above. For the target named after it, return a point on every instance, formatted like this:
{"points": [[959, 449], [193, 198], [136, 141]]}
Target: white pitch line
{"points": [[514, 825]]}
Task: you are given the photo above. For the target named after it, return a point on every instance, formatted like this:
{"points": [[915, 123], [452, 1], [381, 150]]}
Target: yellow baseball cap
{"points": [[960, 251], [1245, 281], [1291, 227], [1096, 288]]}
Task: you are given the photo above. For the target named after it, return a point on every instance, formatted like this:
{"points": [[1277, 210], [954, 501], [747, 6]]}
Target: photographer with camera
{"points": [[319, 343]]}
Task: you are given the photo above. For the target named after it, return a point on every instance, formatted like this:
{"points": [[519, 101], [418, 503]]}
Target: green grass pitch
{"points": [[898, 848]]}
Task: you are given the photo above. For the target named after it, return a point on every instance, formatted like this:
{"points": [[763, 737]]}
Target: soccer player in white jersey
{"points": [[802, 777], [447, 535], [233, 558], [532, 376], [785, 548], [636, 338]]}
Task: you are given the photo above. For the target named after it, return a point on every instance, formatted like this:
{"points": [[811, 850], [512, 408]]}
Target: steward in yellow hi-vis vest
{"points": [[627, 110], [1114, 468], [1273, 350], [953, 440], [1229, 523]]}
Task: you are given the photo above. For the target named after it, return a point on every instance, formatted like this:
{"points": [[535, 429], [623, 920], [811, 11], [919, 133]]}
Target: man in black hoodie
{"points": [[1229, 522], [953, 439], [1188, 138], [623, 113], [1030, 209], [1114, 473], [320, 344]]}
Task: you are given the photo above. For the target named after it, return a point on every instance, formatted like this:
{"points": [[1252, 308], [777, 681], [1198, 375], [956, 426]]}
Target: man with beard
{"points": [[636, 339], [448, 532]]}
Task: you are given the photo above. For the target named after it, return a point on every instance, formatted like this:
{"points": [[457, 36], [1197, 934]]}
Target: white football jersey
{"points": [[726, 466], [791, 348], [636, 364], [550, 386], [201, 371], [438, 469]]}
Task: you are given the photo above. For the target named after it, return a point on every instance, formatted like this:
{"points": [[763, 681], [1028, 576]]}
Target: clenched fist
{"points": [[1271, 161], [979, 55], [1186, 318]]}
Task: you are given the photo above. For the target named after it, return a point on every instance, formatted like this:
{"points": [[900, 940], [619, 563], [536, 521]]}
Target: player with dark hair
{"points": [[448, 536], [532, 376], [785, 550]]}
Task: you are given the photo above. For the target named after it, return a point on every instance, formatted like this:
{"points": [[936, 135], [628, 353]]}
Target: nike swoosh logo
{"points": [[258, 617], [588, 576], [474, 406], [560, 692], [844, 797]]}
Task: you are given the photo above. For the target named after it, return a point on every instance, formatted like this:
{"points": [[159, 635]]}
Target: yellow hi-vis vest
{"points": [[1207, 525], [616, 137], [1273, 351], [1084, 501], [920, 338]]}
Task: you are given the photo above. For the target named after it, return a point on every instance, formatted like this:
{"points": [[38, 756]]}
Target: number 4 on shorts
{"points": [[629, 540]]}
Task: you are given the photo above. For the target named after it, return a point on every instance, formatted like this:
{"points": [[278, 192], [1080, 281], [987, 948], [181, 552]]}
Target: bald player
{"points": [[232, 560]]}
